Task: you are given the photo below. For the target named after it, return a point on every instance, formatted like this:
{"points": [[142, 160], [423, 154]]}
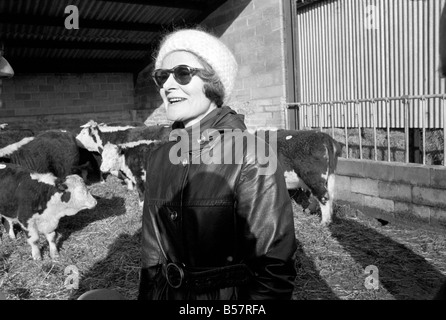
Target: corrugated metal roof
{"points": [[34, 31]]}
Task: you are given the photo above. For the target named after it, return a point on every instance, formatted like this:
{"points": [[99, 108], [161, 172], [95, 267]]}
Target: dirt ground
{"points": [[360, 258], [103, 247]]}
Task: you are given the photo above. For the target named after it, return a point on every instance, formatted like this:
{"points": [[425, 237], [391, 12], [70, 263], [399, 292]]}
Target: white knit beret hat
{"points": [[207, 47]]}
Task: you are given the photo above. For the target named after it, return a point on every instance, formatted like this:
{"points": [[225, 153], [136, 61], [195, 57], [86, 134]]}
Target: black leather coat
{"points": [[212, 215]]}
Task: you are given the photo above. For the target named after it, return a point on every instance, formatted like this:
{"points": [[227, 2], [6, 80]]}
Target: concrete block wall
{"points": [[52, 101], [407, 193], [254, 31], [148, 102]]}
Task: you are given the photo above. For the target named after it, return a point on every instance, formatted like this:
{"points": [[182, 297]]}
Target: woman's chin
{"points": [[173, 115]]}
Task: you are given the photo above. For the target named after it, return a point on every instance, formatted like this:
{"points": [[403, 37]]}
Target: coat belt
{"points": [[179, 276]]}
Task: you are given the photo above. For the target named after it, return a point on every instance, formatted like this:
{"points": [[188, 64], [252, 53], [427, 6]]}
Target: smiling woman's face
{"points": [[186, 103]]}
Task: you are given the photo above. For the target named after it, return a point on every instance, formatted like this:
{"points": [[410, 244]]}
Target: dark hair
{"points": [[213, 87]]}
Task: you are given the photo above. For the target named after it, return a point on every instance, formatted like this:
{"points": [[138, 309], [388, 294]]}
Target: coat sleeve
{"points": [[269, 242], [151, 255]]}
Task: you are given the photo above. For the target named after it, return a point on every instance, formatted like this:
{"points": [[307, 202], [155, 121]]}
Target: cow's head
{"points": [[112, 158], [89, 137], [76, 196]]}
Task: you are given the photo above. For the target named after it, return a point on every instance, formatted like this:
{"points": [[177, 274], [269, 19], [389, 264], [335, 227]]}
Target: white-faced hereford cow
{"points": [[54, 151], [130, 159], [38, 201], [9, 136], [309, 159], [95, 136]]}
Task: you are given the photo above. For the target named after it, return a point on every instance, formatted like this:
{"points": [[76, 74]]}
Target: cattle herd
{"points": [[44, 177]]}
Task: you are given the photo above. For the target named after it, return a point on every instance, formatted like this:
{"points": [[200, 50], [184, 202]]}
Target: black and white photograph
{"points": [[223, 150]]}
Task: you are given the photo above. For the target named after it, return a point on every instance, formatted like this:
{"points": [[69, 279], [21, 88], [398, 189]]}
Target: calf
{"points": [[12, 136], [309, 160], [131, 160], [10, 148], [54, 151], [95, 136], [38, 201]]}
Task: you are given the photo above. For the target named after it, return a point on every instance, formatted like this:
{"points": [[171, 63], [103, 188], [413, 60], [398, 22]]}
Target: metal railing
{"points": [[351, 116]]}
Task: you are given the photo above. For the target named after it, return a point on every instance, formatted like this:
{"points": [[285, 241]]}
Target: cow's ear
{"points": [[66, 196]]}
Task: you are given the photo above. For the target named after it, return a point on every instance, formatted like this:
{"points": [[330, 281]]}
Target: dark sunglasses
{"points": [[182, 74]]}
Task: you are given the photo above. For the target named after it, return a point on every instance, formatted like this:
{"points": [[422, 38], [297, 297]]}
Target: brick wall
{"points": [[148, 102], [408, 193], [254, 31], [52, 101]]}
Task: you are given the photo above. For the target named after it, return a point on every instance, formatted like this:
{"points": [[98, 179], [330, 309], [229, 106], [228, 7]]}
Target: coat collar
{"points": [[200, 134]]}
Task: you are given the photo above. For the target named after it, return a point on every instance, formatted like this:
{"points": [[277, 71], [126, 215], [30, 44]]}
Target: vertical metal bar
{"points": [[294, 109], [387, 108], [344, 116], [286, 108], [332, 119], [359, 128], [406, 126], [319, 109], [424, 116], [374, 117], [443, 106]]}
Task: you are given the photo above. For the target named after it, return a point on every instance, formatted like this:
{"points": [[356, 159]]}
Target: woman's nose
{"points": [[170, 82]]}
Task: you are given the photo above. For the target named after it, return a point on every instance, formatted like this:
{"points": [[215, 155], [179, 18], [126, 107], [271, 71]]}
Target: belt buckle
{"points": [[175, 271]]}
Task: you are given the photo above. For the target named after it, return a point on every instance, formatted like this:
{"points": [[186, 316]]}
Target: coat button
{"points": [[173, 215], [201, 140]]}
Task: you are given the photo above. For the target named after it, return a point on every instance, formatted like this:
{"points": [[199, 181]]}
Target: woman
{"points": [[210, 230]]}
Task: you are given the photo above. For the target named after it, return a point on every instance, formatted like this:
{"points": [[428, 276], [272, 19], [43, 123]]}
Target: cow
{"points": [[94, 136], [38, 201], [9, 136], [309, 160], [130, 159], [54, 151], [11, 147]]}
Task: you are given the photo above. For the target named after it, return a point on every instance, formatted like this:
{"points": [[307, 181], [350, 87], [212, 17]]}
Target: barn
{"points": [[365, 72]]}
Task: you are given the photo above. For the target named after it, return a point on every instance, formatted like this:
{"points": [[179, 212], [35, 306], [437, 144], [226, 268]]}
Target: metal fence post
{"points": [[406, 126], [344, 116], [443, 108]]}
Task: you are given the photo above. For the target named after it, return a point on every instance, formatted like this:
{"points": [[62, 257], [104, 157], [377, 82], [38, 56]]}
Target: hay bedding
{"points": [[104, 245]]}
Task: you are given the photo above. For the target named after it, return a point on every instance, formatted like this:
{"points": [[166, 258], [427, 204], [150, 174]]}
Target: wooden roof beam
{"points": [[179, 4], [75, 44], [27, 19], [51, 65]]}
